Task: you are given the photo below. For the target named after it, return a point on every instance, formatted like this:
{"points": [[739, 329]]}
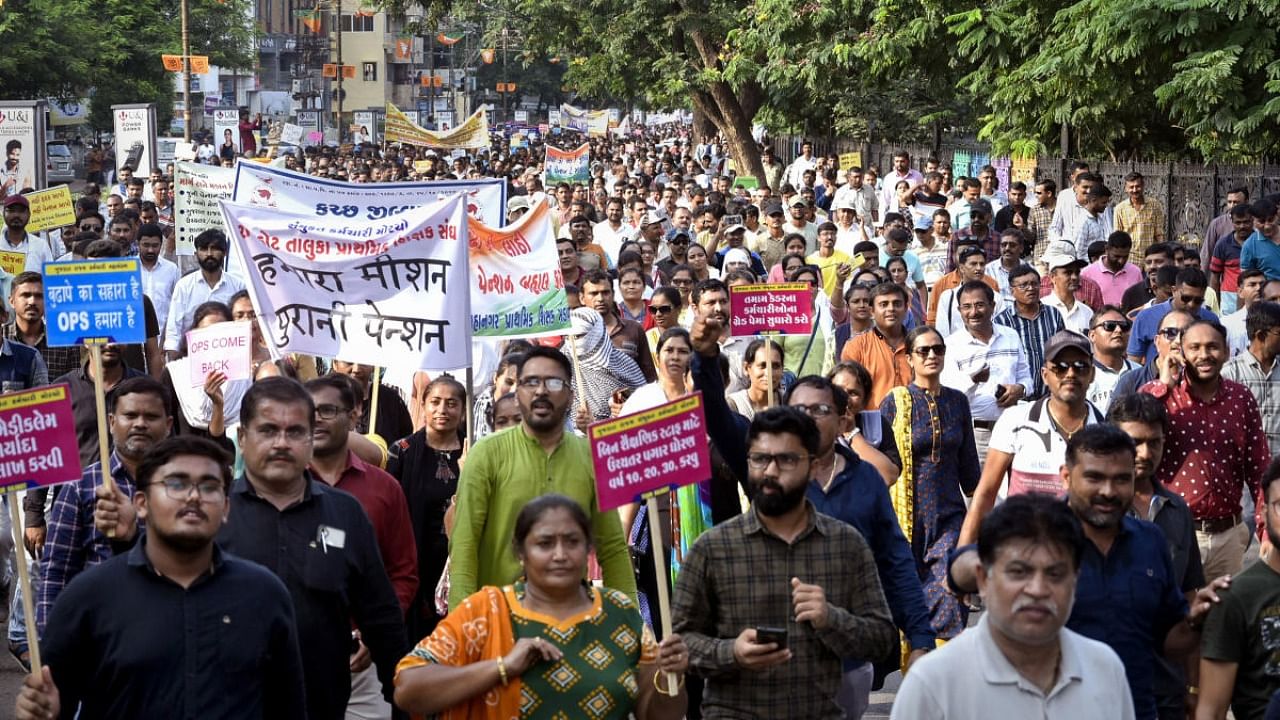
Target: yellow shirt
{"points": [[828, 267]]}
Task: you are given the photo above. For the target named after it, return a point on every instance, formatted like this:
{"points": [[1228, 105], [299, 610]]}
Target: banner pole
{"points": [[768, 367], [373, 399], [24, 581], [471, 412], [663, 576], [100, 401]]}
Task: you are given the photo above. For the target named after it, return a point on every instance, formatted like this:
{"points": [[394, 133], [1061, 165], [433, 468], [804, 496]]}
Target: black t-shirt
{"points": [[1245, 629], [1136, 296], [135, 356]]}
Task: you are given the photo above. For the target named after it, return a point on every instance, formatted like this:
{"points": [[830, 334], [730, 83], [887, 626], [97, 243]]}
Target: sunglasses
{"points": [[1060, 367], [1114, 325], [926, 350], [661, 309], [1170, 333], [1191, 299]]}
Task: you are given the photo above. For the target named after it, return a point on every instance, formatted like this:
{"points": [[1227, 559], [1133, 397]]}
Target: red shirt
{"points": [[383, 501], [1213, 449]]}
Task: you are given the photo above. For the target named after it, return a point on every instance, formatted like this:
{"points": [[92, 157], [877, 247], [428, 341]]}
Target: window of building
{"points": [[371, 72], [357, 23]]}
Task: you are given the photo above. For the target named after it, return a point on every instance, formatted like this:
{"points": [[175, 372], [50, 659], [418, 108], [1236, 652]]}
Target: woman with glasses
{"points": [[666, 310], [427, 465], [933, 431]]}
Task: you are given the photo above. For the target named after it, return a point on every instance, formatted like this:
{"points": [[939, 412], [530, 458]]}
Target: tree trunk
{"points": [[703, 128]]}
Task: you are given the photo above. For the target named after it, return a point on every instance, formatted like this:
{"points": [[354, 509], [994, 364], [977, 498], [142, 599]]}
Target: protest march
{"points": [[586, 418]]}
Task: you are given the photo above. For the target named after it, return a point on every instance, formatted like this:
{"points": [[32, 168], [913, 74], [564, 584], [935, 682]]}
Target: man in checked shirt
{"points": [[807, 580]]}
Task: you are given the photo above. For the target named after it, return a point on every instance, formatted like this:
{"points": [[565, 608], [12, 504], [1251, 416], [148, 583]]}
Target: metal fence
{"points": [[1192, 194]]}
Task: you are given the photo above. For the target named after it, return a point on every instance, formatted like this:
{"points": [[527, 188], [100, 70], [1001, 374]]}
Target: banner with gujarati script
{"points": [[302, 194], [570, 166], [591, 122], [517, 290], [390, 291], [472, 134], [37, 439], [197, 189]]}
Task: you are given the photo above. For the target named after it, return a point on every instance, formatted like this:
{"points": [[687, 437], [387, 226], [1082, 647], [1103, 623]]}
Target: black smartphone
{"points": [[1000, 391], [775, 635]]}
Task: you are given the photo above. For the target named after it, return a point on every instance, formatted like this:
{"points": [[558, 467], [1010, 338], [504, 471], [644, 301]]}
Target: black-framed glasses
{"points": [[816, 410], [927, 350], [1170, 333], [552, 384], [785, 461], [329, 411], [1060, 367], [1025, 285], [681, 282], [179, 489], [661, 309], [1114, 325], [1191, 299]]}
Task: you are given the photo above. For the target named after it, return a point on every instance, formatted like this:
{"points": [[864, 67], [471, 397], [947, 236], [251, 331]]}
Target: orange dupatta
{"points": [[478, 629]]}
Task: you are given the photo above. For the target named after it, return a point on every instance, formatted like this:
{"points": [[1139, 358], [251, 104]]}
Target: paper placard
{"points": [[38, 446], [780, 309], [226, 347], [653, 450], [52, 208]]}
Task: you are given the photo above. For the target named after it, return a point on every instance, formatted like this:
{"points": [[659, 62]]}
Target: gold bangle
{"points": [[668, 693], [502, 671], [1193, 690]]}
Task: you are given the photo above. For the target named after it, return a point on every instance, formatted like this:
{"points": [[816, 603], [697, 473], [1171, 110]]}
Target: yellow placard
{"points": [[422, 165], [13, 262], [850, 160], [473, 133], [51, 208]]}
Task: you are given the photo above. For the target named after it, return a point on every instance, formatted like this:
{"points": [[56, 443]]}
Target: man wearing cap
{"points": [[1064, 273], [979, 230], [930, 246], [799, 223], [768, 241], [36, 250], [1034, 322], [651, 227], [850, 230], [985, 361], [677, 244], [860, 198], [1188, 294], [517, 207], [1029, 441]]}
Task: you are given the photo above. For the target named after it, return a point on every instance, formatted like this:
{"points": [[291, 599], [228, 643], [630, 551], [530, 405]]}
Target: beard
{"points": [[779, 502], [210, 264], [1102, 520]]}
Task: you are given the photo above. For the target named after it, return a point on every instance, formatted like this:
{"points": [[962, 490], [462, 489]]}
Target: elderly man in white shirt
{"points": [[1020, 661], [1064, 272], [985, 361]]}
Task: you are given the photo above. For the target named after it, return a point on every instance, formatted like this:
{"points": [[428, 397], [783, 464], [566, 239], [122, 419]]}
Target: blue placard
{"points": [[94, 302]]}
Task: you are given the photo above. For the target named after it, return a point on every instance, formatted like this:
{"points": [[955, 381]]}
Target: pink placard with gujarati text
{"points": [[652, 450], [38, 445], [780, 309]]}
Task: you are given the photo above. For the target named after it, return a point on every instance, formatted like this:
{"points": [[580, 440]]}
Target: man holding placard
{"points": [[211, 283], [20, 250], [134, 637]]}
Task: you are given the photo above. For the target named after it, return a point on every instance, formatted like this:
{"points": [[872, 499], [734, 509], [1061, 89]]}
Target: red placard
{"points": [[781, 309], [38, 445], [652, 450]]}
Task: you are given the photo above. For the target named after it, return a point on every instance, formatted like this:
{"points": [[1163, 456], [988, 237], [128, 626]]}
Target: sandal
{"points": [[19, 652]]}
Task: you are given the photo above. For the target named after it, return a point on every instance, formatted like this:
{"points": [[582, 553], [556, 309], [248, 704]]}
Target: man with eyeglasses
{"points": [[333, 462], [1217, 445], [505, 471], [1034, 322], [1109, 333], [781, 565], [1255, 367], [985, 361], [849, 489], [176, 627], [1064, 274], [1029, 441], [1188, 294], [317, 540]]}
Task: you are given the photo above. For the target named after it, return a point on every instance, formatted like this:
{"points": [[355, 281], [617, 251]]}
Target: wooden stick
{"points": [[663, 575], [100, 399], [24, 580], [373, 399]]}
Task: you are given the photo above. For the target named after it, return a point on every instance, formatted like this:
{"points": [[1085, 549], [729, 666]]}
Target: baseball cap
{"points": [[519, 202], [979, 205], [844, 204], [738, 227], [924, 222], [674, 232], [652, 218], [17, 200], [1061, 253], [773, 208], [799, 202], [1066, 339]]}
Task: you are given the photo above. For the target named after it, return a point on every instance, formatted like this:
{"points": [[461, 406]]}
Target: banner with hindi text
{"points": [[570, 166], [388, 292], [471, 134], [517, 290]]}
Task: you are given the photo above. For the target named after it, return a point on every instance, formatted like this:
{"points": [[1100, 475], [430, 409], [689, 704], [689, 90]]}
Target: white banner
{"points": [[258, 184], [390, 292], [197, 190], [226, 126]]}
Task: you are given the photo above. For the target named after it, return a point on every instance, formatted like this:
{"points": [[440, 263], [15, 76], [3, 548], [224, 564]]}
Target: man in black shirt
{"points": [[318, 540], [1155, 257], [175, 628]]}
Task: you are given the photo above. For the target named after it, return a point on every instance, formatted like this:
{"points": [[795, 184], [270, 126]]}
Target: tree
{"points": [[47, 51]]}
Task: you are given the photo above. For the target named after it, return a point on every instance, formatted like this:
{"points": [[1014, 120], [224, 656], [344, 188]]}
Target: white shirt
{"points": [[1237, 336], [949, 319], [809, 231], [864, 200], [888, 196], [795, 175], [611, 240], [37, 249], [1068, 217], [158, 284], [1004, 356], [188, 294], [970, 678], [1104, 383], [995, 270], [1026, 432], [1077, 318]]}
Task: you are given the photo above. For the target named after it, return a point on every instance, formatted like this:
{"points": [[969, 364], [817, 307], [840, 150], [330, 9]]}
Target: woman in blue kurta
{"points": [[934, 435]]}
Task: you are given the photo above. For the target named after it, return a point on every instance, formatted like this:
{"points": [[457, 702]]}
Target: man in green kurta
{"points": [[508, 469]]}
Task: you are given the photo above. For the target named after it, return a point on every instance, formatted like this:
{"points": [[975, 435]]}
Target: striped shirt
{"points": [[1033, 333], [1264, 387], [738, 576]]}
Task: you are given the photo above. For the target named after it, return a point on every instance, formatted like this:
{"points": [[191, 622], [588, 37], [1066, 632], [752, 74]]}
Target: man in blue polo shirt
{"points": [[1262, 249], [1188, 295], [1127, 595]]}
